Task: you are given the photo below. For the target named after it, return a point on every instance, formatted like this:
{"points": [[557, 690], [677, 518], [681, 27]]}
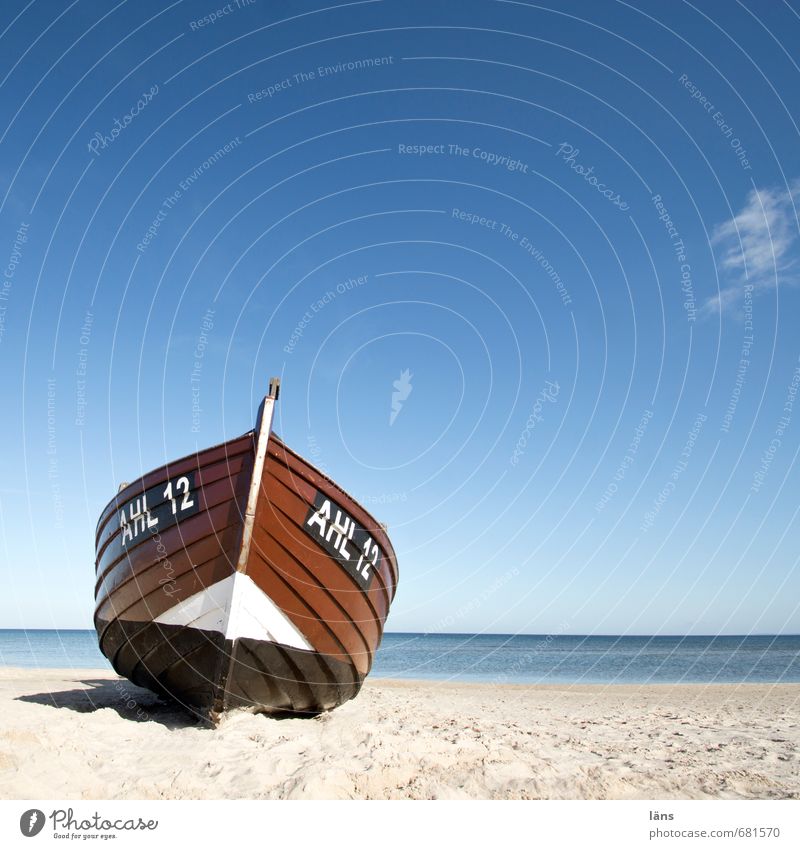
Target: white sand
{"points": [[87, 734]]}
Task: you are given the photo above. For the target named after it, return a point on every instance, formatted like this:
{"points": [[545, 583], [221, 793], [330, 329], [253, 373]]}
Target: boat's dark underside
{"points": [[208, 674]]}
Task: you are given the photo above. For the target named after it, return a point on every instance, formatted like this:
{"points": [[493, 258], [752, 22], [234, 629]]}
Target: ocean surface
{"points": [[495, 658]]}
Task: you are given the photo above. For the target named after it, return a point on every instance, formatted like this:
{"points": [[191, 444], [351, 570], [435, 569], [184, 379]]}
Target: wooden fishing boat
{"points": [[242, 577]]}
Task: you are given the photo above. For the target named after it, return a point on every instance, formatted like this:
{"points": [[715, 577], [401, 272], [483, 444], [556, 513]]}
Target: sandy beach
{"points": [[88, 734]]}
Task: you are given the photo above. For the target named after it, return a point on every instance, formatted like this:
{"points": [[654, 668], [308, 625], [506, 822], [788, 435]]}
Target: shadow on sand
{"points": [[129, 701]]}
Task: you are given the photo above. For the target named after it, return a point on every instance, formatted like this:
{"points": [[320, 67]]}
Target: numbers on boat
{"points": [[344, 539], [158, 508], [369, 557], [182, 486]]}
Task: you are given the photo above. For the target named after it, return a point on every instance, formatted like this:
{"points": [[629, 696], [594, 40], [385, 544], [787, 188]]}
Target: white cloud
{"points": [[758, 246]]}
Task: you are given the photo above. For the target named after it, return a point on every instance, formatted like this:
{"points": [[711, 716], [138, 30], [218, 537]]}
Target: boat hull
{"points": [[242, 577], [181, 664]]}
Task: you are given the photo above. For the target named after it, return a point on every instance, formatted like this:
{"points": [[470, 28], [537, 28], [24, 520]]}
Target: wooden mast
{"points": [[263, 430], [262, 433]]}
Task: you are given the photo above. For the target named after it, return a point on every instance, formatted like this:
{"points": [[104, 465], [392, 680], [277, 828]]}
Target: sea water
{"points": [[497, 658]]}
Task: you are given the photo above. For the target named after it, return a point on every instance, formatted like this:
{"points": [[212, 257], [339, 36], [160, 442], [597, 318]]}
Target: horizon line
{"points": [[490, 633]]}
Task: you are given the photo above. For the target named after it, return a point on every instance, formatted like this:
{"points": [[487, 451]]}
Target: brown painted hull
{"points": [[215, 604]]}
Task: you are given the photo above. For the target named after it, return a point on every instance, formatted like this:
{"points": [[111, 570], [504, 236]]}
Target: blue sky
{"points": [[574, 229]]}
